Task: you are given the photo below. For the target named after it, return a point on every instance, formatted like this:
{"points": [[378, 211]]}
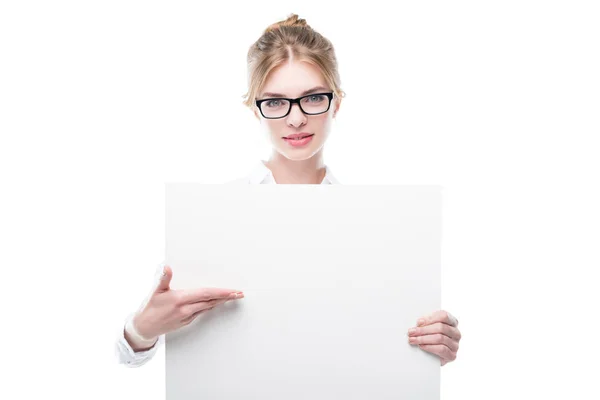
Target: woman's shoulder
{"points": [[258, 173]]}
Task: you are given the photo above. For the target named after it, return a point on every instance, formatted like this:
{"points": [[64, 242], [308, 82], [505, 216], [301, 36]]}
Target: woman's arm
{"points": [[134, 353]]}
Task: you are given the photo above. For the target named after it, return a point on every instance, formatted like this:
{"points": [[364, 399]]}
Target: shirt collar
{"points": [[263, 175]]}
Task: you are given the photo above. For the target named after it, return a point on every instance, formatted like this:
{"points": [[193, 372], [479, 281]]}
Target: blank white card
{"points": [[333, 276]]}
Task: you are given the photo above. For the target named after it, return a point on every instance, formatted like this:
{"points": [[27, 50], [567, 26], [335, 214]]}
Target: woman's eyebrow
{"points": [[309, 91]]}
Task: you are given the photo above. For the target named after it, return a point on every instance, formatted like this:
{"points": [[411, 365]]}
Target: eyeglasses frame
{"points": [[329, 95]]}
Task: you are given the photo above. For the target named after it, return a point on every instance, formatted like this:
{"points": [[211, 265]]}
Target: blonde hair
{"points": [[290, 39]]}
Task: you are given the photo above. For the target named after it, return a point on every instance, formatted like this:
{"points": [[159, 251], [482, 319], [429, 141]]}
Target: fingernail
{"points": [[412, 330], [412, 340], [420, 322]]}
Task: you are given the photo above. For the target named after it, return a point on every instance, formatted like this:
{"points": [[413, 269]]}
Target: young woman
{"points": [[294, 92]]}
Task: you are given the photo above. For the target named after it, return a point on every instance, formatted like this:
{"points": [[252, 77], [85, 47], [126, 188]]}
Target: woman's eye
{"points": [[273, 103], [314, 99]]}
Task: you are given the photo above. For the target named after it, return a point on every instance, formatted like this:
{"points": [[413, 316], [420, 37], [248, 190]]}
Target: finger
{"points": [[192, 308], [439, 350], [200, 307], [192, 317], [205, 294], [438, 316], [165, 279], [437, 327], [435, 339]]}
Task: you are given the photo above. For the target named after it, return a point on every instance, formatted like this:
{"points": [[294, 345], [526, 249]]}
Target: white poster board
{"points": [[333, 276]]}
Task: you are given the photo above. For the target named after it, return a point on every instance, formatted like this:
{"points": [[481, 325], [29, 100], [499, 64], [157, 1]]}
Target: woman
{"points": [[294, 91]]}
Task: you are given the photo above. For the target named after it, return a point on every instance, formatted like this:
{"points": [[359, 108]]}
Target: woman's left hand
{"points": [[438, 334]]}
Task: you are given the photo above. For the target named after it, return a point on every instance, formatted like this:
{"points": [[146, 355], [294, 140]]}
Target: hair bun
{"points": [[292, 20]]}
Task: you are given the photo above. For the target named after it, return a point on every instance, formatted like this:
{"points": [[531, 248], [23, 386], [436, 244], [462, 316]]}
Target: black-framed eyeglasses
{"points": [[279, 107]]}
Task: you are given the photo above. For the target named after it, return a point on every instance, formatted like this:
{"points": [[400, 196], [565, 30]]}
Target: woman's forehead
{"points": [[294, 79]]}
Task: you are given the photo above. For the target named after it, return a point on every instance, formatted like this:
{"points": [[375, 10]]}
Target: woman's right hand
{"points": [[168, 310]]}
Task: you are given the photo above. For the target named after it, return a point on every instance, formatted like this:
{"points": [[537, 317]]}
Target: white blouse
{"points": [[124, 353]]}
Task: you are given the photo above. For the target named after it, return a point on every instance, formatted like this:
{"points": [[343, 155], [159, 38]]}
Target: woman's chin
{"points": [[299, 154]]}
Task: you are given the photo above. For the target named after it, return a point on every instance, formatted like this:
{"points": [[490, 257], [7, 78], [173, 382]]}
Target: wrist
{"points": [[140, 340]]}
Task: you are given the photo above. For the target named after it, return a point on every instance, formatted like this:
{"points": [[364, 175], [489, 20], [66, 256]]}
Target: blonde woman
{"points": [[294, 92]]}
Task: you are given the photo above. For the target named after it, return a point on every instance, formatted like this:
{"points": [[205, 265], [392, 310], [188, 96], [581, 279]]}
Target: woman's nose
{"points": [[296, 117]]}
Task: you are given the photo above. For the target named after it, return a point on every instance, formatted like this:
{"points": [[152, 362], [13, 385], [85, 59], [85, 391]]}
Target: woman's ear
{"points": [[338, 102]]}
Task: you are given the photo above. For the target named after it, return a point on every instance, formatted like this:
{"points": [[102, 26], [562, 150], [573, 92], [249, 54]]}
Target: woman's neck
{"points": [[285, 171]]}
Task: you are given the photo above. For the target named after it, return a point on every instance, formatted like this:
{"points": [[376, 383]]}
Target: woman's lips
{"points": [[298, 140]]}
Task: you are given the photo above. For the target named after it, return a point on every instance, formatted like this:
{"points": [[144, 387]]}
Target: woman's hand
{"points": [[168, 310], [437, 334]]}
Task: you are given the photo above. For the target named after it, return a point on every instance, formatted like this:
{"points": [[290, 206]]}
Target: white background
{"points": [[101, 103]]}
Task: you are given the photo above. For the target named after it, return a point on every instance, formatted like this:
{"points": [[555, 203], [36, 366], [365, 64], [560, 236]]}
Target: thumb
{"points": [[165, 279]]}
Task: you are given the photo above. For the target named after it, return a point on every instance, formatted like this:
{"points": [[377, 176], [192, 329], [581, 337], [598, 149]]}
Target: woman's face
{"points": [[292, 80]]}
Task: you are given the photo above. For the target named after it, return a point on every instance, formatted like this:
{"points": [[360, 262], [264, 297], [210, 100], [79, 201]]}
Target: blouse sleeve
{"points": [[127, 356]]}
